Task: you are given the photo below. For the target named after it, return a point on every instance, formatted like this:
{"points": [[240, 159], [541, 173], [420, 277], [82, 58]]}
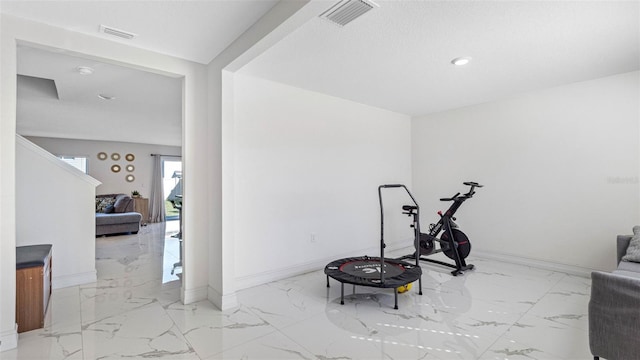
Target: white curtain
{"points": [[156, 199]]}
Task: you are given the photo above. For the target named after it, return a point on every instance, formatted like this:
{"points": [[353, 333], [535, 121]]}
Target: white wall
{"points": [[307, 163], [55, 206], [560, 169], [112, 183], [284, 17], [195, 140]]}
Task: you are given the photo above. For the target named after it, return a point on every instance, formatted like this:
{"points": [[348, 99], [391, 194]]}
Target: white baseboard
{"points": [[74, 279], [223, 302], [9, 339], [190, 296], [248, 281], [244, 282], [536, 263]]}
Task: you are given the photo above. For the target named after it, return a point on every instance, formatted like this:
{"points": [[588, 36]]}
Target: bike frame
{"points": [[445, 224]]}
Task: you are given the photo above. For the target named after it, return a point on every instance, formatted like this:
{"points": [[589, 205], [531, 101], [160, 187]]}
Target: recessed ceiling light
{"points": [[84, 70], [106, 97], [461, 61]]}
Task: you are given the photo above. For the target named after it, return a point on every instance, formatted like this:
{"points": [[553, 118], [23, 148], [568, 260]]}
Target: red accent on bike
{"points": [[440, 213]]}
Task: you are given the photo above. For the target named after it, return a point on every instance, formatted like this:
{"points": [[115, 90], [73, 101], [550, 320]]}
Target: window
{"points": [[78, 162]]}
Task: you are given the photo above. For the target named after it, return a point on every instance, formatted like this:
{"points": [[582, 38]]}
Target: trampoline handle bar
{"points": [[382, 244]]}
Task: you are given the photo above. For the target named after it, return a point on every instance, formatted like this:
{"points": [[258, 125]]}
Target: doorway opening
{"points": [[172, 187]]}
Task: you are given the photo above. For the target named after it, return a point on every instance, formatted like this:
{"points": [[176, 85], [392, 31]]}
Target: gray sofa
{"points": [[115, 215], [614, 309]]}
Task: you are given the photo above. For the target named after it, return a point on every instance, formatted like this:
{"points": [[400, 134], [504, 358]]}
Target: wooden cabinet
{"points": [[141, 205], [33, 285]]}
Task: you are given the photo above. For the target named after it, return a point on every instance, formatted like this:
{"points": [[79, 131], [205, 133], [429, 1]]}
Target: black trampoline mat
{"points": [[365, 271], [370, 269]]}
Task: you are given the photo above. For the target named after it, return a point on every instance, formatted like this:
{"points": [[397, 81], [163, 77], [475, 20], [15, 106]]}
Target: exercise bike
{"points": [[453, 242]]}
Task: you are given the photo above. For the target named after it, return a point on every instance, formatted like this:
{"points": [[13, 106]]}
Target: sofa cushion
{"points": [[122, 203], [629, 266], [633, 251], [631, 274], [109, 209], [117, 218]]}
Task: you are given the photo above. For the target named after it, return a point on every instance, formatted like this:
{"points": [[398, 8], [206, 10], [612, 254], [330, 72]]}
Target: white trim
{"points": [[45, 155], [244, 282], [536, 263], [190, 296], [9, 339], [223, 302], [63, 281]]}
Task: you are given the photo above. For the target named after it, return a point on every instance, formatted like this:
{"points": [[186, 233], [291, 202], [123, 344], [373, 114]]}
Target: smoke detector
{"points": [[117, 32], [346, 11]]}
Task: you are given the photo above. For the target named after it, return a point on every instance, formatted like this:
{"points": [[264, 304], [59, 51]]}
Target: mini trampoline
{"points": [[377, 272], [365, 271]]}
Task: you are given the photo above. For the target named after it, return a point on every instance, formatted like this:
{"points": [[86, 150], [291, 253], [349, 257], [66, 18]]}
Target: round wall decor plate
{"points": [[102, 155], [130, 157], [115, 168], [130, 168], [115, 156], [129, 178]]}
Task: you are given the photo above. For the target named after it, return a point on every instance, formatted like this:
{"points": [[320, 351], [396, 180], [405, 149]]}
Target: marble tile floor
{"points": [[498, 311]]}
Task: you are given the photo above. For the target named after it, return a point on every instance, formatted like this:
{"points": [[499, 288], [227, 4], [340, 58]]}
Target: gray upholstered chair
{"points": [[614, 309]]}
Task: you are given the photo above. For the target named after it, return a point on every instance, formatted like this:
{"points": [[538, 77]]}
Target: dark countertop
{"points": [[31, 255]]}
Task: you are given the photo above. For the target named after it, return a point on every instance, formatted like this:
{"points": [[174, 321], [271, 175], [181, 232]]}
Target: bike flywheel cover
{"points": [[462, 244]]}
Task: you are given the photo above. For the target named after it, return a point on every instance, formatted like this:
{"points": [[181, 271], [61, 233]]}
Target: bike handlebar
{"points": [[451, 198], [471, 183], [465, 196]]}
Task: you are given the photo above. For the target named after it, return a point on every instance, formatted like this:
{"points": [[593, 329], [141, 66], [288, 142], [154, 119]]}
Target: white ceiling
{"points": [[147, 107], [192, 30], [395, 57]]}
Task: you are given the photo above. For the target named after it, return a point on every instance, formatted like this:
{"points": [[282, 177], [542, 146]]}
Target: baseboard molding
{"points": [[223, 302], [74, 279], [244, 282], [540, 264], [248, 281], [9, 339], [190, 296]]}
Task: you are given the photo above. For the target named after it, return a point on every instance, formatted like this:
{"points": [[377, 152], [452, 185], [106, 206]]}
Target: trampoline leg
{"points": [[327, 280], [419, 285], [341, 293], [395, 295]]}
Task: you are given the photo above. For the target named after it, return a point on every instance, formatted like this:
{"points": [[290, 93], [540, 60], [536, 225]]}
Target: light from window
{"points": [[78, 162]]}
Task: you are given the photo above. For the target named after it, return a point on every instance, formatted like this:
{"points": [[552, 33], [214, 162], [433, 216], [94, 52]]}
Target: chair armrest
{"points": [[614, 319], [622, 245]]}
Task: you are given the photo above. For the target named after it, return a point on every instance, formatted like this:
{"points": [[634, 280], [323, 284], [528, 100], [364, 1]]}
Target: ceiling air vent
{"points": [[117, 32], [346, 11]]}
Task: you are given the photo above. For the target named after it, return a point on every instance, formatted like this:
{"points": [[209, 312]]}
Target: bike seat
{"points": [[409, 207]]}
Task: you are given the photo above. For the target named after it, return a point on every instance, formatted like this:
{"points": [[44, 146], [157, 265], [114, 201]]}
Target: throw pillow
{"points": [[633, 251], [109, 209], [122, 203], [104, 202]]}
